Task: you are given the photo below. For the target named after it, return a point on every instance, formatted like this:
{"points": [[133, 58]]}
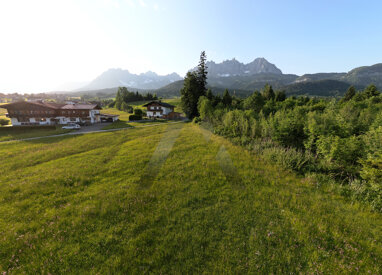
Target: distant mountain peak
{"points": [[233, 67], [118, 77]]}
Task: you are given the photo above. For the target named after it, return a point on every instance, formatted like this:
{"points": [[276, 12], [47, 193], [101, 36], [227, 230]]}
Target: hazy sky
{"points": [[44, 44]]}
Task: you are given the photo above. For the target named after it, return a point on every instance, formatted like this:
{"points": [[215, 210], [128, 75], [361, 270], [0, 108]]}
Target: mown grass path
{"points": [[78, 204], [86, 132]]}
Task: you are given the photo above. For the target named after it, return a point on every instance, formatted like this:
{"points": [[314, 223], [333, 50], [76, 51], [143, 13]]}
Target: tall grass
{"points": [[76, 204]]}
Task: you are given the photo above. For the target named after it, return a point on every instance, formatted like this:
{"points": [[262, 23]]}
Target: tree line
{"points": [[124, 97]]}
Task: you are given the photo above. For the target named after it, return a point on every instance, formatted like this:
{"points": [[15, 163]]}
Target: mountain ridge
{"points": [[119, 77], [233, 67], [232, 74]]}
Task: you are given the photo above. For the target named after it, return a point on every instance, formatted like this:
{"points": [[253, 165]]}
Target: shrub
{"points": [[126, 108], [290, 158], [362, 190], [138, 112], [344, 151], [134, 117], [197, 120], [111, 104], [288, 128], [4, 121]]}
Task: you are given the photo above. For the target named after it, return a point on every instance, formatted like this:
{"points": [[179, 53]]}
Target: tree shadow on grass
{"points": [[160, 155]]}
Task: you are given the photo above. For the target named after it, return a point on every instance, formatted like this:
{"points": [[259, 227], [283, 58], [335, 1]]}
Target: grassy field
{"points": [[2, 114], [20, 133], [172, 199]]}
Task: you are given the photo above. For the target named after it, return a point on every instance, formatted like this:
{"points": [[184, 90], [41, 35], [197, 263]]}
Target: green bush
{"points": [[134, 117], [4, 121], [290, 158], [197, 120], [138, 112], [344, 151]]}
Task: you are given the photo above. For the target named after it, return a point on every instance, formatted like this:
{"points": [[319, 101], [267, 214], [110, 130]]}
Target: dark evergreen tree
{"points": [[254, 102], [227, 99], [371, 91], [202, 72], [280, 96], [118, 99], [209, 94], [194, 87], [190, 94], [268, 92], [350, 93]]}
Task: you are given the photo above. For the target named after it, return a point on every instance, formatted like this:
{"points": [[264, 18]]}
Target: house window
{"points": [[72, 119]]}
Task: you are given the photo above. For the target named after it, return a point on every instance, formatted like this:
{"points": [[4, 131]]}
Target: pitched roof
{"points": [[80, 107], [164, 104], [38, 103], [56, 106]]}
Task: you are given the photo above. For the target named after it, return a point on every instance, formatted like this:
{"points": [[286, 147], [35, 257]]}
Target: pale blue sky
{"points": [[45, 43]]}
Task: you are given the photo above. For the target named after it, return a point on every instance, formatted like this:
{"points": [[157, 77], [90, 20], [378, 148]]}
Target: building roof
{"points": [[80, 106], [109, 115], [56, 106], [164, 104]]}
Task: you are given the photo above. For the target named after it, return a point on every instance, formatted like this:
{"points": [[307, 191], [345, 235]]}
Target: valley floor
{"points": [[171, 199]]}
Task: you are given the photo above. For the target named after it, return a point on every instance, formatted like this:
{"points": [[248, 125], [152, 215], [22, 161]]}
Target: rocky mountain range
{"points": [[243, 79], [118, 77], [235, 68]]}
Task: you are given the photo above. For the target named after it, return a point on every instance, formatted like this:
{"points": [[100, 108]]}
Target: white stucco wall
{"points": [[151, 113], [14, 121], [166, 110]]}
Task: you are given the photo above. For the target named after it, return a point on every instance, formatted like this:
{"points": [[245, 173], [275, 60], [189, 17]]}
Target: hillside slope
{"points": [[113, 203], [317, 88]]}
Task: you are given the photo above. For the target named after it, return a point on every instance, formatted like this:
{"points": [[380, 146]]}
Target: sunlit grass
{"points": [[15, 133], [75, 204], [2, 114]]}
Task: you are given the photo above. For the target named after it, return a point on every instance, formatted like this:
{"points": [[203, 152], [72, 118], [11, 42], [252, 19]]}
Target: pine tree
{"points": [[227, 99], [268, 92], [190, 95], [194, 87], [280, 96], [350, 93], [209, 94], [202, 72], [371, 91], [254, 102], [118, 99]]}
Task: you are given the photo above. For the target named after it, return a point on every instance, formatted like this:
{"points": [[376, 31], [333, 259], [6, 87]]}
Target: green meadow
{"points": [[2, 114], [172, 199], [15, 133]]}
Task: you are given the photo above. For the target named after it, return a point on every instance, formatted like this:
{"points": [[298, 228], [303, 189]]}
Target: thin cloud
{"points": [[130, 3], [142, 3]]}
